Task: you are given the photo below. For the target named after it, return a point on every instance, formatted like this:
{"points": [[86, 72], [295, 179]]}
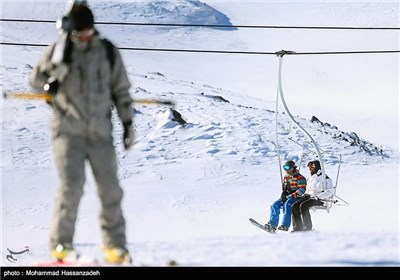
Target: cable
{"points": [[23, 44], [280, 53], [215, 25]]}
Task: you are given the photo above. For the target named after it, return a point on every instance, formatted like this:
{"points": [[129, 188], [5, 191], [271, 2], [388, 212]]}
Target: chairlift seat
{"points": [[326, 206]]}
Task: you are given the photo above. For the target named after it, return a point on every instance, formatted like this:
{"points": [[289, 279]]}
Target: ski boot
{"points": [[116, 256], [270, 227], [64, 252]]}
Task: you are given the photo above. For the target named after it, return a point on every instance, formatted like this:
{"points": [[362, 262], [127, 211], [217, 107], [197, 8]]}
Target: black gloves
{"points": [[52, 86], [57, 75], [129, 135]]}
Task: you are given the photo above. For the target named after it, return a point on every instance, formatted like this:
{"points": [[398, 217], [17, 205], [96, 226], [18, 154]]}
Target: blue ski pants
{"points": [[287, 212]]}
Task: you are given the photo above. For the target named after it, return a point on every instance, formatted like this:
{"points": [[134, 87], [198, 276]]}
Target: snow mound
{"points": [[178, 11], [181, 11]]}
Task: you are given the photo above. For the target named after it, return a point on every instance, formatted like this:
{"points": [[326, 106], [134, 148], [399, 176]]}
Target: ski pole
{"points": [[154, 101], [28, 95], [47, 97]]}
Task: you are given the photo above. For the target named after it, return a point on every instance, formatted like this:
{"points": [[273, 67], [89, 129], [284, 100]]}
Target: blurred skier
{"points": [[315, 191], [85, 86], [294, 185]]}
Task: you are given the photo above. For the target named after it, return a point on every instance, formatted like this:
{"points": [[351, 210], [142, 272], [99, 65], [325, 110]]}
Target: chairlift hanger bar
{"points": [[280, 94]]}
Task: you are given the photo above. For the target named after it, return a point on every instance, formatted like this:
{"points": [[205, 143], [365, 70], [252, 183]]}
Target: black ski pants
{"points": [[301, 213]]}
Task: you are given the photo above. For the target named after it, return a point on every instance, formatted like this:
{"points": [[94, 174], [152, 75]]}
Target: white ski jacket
{"points": [[315, 186]]}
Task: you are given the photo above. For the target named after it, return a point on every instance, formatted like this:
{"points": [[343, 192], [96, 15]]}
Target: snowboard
{"points": [[257, 224]]}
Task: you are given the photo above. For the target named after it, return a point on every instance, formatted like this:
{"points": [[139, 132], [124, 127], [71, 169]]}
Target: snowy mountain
{"points": [[190, 189]]}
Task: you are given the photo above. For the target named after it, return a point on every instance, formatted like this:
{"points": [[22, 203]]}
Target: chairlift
{"points": [[334, 200]]}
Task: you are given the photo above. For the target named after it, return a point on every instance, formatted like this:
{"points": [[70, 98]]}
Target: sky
{"points": [[189, 191]]}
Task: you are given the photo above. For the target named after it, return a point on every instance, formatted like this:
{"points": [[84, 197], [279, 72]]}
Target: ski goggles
{"points": [[87, 33], [287, 167]]}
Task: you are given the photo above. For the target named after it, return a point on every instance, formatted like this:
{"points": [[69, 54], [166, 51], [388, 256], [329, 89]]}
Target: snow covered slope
{"points": [[189, 190]]}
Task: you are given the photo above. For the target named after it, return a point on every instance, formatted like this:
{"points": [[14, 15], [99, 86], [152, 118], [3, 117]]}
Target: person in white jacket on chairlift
{"points": [[314, 195]]}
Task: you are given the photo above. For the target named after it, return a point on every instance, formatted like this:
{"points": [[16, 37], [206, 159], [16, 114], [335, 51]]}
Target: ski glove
{"points": [[129, 135], [295, 194]]}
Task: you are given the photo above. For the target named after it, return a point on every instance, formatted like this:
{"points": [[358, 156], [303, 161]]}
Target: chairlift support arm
{"points": [[280, 94]]}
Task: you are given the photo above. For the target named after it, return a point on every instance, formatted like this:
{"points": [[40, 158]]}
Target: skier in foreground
{"points": [[85, 85]]}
